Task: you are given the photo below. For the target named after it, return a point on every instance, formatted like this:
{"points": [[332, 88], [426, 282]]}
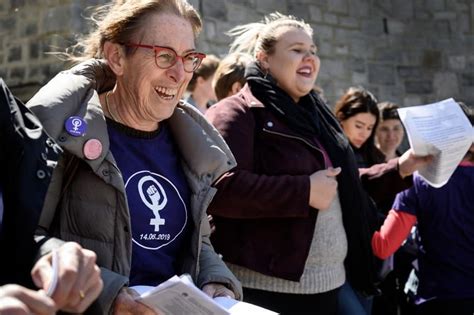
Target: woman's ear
{"points": [[235, 88], [262, 59], [114, 55]]}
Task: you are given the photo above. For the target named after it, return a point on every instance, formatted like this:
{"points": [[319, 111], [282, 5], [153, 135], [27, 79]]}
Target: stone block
{"points": [[349, 22], [34, 49], [334, 69], [388, 54], [373, 27], [17, 3], [359, 48], [467, 80], [344, 36], [56, 19], [341, 49], [338, 6], [330, 18], [15, 53], [299, 9], [381, 74], [216, 9], [435, 5], [323, 32], [445, 15], [472, 17], [238, 13], [325, 49], [385, 5], [315, 13], [432, 59], [463, 24], [17, 74], [359, 9], [395, 27], [8, 24], [419, 87], [412, 100], [443, 28], [357, 64], [403, 9], [445, 84], [457, 62], [409, 72], [359, 78], [268, 6]]}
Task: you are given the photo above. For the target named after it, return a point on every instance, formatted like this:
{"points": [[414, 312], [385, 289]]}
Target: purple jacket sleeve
{"points": [[244, 193]]}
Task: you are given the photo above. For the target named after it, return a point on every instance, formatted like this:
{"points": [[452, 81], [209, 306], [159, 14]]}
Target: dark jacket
{"points": [[263, 220], [27, 158]]}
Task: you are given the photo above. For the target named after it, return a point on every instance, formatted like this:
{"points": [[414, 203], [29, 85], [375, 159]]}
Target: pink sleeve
{"points": [[393, 232]]}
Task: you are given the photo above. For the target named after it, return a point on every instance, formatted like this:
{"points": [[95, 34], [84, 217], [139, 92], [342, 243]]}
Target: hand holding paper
{"points": [[441, 130]]}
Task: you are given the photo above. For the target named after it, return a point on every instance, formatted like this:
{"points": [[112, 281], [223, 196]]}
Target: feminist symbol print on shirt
{"points": [[158, 198], [158, 212]]}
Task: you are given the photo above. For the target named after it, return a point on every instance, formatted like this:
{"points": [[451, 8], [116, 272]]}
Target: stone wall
{"points": [[406, 51]]}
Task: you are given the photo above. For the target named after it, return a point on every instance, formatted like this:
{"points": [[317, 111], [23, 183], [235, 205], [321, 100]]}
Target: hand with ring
{"points": [[79, 282]]}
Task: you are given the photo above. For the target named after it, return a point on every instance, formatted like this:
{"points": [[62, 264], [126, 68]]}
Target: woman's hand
{"points": [[408, 163], [125, 304], [214, 289], [79, 282], [17, 300], [323, 188]]}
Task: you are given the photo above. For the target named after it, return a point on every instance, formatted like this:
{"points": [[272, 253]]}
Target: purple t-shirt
{"points": [[158, 198], [446, 226]]}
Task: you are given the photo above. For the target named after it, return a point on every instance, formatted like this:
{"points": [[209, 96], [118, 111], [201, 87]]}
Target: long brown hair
{"points": [[358, 100]]}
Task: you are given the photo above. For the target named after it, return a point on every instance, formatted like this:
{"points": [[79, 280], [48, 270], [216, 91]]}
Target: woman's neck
{"points": [[117, 111], [201, 101], [389, 154]]}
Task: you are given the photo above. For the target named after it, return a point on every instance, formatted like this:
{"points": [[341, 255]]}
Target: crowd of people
{"points": [[148, 159]]}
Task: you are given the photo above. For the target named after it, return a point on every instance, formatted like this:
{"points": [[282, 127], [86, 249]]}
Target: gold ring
{"points": [[81, 294]]}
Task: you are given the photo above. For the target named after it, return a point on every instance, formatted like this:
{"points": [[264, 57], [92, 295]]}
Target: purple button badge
{"points": [[75, 126]]}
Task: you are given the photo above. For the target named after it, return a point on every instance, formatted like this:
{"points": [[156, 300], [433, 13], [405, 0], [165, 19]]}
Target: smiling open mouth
{"points": [[166, 93]]}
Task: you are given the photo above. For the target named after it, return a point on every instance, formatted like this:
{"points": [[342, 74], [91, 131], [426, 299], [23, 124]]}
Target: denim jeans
{"points": [[353, 303]]}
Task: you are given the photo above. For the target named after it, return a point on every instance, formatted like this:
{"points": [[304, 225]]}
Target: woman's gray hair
{"points": [[120, 21], [261, 36]]}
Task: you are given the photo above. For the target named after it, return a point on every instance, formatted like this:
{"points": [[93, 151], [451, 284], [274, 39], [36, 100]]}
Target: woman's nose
{"points": [[176, 72]]}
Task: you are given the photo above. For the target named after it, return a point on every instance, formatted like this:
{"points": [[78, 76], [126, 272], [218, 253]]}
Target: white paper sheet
{"points": [[179, 295], [442, 130]]}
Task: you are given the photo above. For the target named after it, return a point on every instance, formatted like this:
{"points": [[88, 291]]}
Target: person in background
{"points": [[393, 300], [358, 115], [389, 133], [445, 219], [27, 158], [292, 219], [200, 87], [135, 180], [230, 75]]}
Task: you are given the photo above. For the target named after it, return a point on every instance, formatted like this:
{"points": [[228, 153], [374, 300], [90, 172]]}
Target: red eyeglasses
{"points": [[166, 57]]}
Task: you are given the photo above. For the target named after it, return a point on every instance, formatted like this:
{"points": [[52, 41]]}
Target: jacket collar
{"points": [[250, 100]]}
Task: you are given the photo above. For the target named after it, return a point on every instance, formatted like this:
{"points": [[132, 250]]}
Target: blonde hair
{"points": [[118, 22], [262, 36]]}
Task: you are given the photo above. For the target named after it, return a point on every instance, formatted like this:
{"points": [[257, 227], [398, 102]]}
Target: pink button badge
{"points": [[92, 149]]}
